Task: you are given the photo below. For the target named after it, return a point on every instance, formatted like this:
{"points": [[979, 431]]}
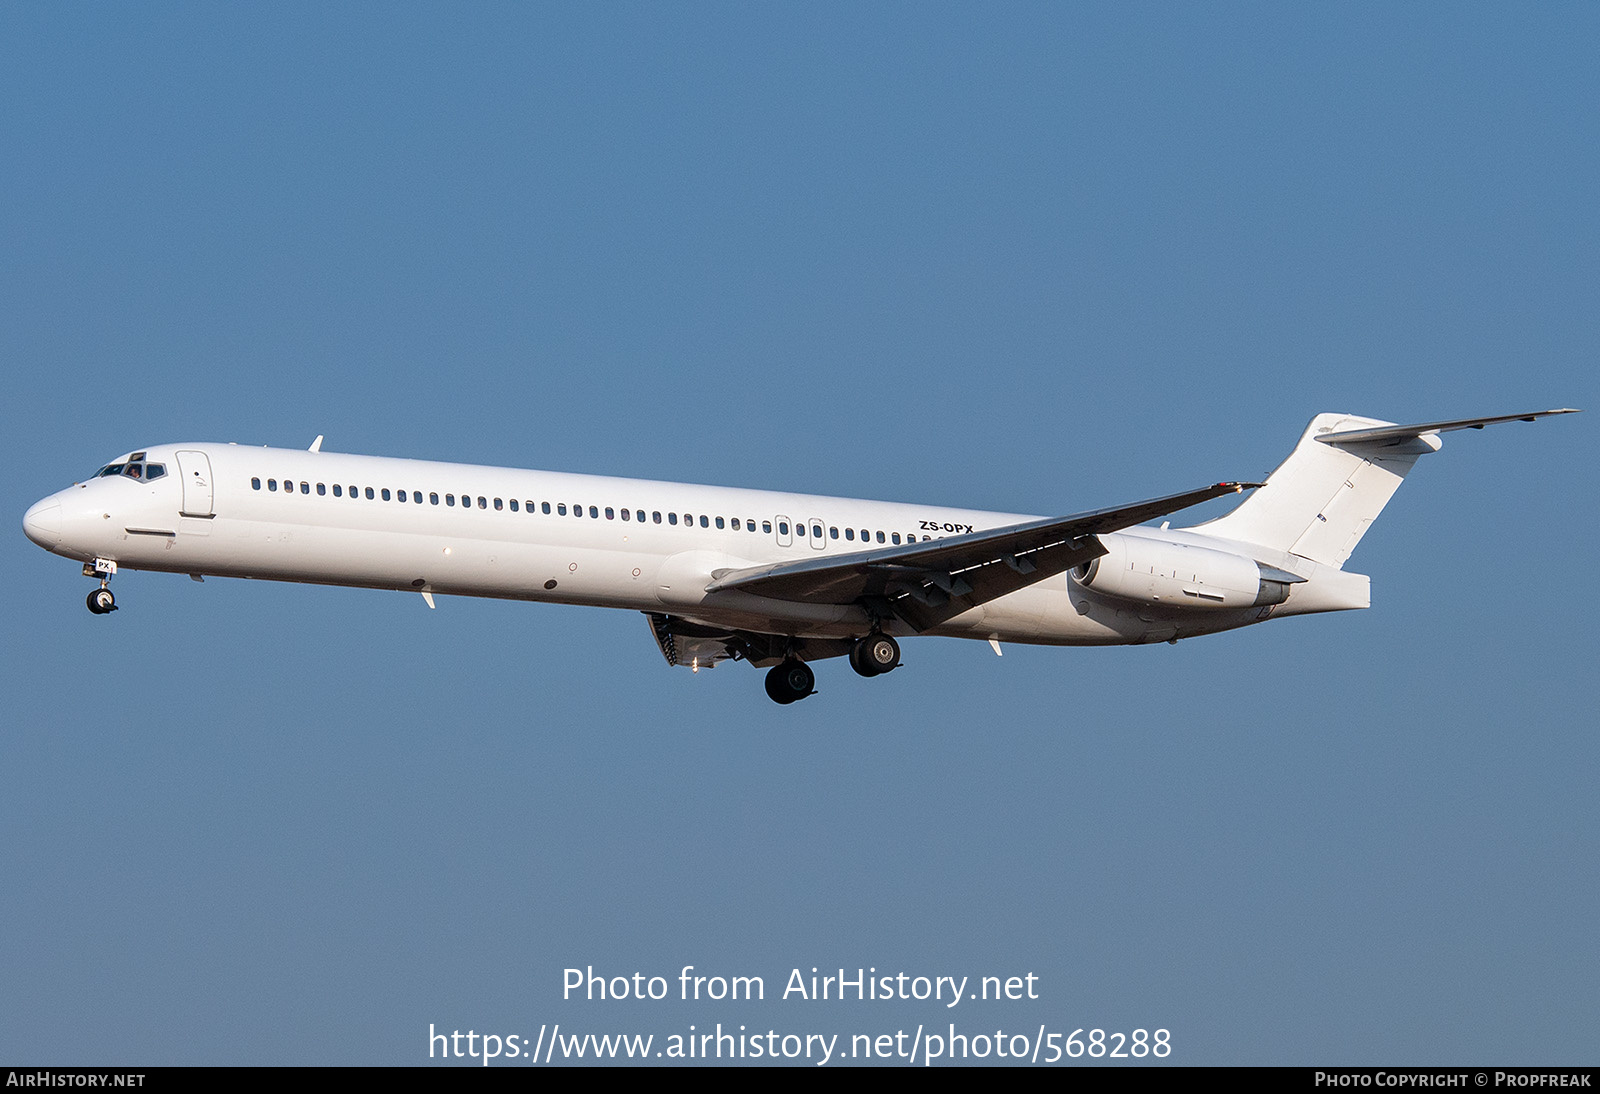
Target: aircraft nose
{"points": [[42, 523]]}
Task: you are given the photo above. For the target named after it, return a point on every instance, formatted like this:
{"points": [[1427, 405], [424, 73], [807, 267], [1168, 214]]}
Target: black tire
{"points": [[874, 655], [101, 602], [789, 682], [858, 659]]}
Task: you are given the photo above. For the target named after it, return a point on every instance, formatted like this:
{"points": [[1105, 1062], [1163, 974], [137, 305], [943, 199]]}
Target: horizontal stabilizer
{"points": [[1395, 434], [1323, 498]]}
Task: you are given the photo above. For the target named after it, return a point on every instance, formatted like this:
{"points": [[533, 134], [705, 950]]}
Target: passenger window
{"points": [[400, 495], [255, 484], [483, 502], [611, 514], [449, 499], [895, 537], [386, 496], [305, 488], [561, 508], [499, 505], [655, 517], [719, 521], [672, 518], [544, 508], [272, 484], [625, 515], [370, 494], [433, 499], [513, 504], [338, 491], [705, 522], [594, 512], [816, 531], [880, 537], [849, 533], [766, 526], [640, 514]]}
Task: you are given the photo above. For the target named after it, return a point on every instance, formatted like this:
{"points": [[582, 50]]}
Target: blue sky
{"points": [[1033, 258]]}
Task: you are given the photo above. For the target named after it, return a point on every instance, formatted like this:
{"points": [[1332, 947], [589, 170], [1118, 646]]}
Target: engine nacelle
{"points": [[1151, 571]]}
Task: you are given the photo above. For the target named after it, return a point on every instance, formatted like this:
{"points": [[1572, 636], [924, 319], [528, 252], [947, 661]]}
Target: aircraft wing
{"points": [[926, 583]]}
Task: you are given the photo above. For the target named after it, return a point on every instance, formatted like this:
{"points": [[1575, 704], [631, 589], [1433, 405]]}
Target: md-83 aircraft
{"points": [[778, 580]]}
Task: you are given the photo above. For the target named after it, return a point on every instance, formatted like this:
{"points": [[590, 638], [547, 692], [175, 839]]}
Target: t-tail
{"points": [[1325, 496]]}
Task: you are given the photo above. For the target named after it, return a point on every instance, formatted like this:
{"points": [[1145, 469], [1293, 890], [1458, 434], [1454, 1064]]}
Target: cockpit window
{"points": [[133, 468]]}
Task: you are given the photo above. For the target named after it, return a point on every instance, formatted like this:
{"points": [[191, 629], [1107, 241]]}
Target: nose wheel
{"points": [[101, 602]]}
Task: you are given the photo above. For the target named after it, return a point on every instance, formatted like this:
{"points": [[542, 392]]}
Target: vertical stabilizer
{"points": [[1321, 500]]}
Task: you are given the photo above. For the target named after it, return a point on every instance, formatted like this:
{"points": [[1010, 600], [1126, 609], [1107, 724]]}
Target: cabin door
{"points": [[195, 470]]}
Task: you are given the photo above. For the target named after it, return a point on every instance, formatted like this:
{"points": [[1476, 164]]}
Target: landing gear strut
{"points": [[790, 681], [101, 602], [874, 655]]}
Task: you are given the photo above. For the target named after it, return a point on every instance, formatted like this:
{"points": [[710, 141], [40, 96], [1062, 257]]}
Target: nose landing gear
{"points": [[101, 602]]}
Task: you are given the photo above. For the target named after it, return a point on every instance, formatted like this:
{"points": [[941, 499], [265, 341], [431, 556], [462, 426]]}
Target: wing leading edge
{"points": [[927, 583]]}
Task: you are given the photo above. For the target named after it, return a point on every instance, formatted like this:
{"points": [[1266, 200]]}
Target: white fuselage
{"points": [[335, 519]]}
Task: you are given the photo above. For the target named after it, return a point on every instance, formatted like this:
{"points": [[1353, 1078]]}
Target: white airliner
{"points": [[778, 580]]}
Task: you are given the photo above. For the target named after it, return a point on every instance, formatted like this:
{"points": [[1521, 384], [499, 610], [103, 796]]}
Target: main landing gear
{"points": [[790, 681], [874, 655], [101, 602]]}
